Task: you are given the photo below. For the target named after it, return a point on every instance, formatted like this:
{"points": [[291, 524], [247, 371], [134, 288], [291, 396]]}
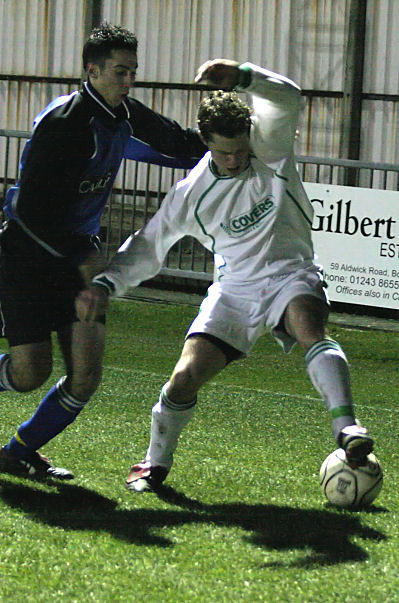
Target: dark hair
{"points": [[103, 40], [223, 113]]}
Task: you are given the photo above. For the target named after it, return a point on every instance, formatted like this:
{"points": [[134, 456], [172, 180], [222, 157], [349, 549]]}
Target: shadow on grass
{"points": [[326, 533]]}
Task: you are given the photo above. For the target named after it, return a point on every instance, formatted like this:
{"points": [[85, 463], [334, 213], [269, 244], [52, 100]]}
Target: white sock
{"points": [[329, 372], [167, 423]]}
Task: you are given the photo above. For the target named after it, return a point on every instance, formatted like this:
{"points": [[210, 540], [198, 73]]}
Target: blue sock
{"points": [[6, 383], [55, 412]]}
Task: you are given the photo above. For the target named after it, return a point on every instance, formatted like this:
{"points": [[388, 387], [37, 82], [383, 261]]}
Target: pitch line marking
{"points": [[255, 390], [238, 387]]}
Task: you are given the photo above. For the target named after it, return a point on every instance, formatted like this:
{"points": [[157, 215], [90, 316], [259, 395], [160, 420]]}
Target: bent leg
{"points": [[82, 347], [200, 360], [305, 320], [26, 367]]}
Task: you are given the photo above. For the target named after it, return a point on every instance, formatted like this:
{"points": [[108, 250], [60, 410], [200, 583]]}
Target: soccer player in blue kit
{"points": [[245, 202], [49, 243]]}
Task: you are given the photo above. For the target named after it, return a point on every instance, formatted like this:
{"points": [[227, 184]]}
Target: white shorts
{"points": [[240, 314]]}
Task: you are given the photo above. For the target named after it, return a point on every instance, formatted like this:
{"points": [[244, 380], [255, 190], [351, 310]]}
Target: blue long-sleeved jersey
{"points": [[70, 163]]}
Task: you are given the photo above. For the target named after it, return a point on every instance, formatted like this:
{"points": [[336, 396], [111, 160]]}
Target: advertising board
{"points": [[356, 239]]}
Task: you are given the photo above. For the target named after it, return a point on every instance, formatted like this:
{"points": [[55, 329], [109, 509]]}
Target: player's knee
{"points": [[184, 384], [30, 378], [305, 320]]}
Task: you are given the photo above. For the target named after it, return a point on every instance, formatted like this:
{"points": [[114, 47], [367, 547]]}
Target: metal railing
{"points": [[140, 189], [383, 176]]}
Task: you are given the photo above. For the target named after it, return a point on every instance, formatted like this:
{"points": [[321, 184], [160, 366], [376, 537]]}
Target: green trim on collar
{"points": [[197, 217]]}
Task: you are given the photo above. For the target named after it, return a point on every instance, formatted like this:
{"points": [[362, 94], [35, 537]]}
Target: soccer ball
{"points": [[345, 486]]}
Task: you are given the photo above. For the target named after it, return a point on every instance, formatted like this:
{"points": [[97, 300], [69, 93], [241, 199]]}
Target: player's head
{"points": [[224, 122], [110, 60], [103, 40]]}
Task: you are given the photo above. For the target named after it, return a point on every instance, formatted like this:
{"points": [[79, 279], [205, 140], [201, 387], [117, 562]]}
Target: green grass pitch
{"points": [[242, 517]]}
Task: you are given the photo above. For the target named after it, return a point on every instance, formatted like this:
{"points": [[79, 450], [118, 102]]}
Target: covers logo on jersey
{"points": [[239, 225]]}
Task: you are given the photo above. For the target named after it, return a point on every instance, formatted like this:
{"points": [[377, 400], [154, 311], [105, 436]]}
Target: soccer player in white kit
{"points": [[245, 202]]}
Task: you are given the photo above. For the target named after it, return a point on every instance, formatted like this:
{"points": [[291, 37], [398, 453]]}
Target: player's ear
{"points": [[93, 70]]}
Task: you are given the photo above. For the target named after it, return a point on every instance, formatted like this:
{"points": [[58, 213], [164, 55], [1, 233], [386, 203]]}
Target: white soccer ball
{"points": [[344, 486]]}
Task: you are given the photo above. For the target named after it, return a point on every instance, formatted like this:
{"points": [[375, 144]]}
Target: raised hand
{"points": [[218, 73]]}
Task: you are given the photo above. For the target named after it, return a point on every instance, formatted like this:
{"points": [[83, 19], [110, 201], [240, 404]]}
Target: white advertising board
{"points": [[356, 239]]}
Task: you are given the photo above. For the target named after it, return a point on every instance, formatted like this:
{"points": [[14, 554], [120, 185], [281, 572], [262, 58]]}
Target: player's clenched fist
{"points": [[91, 302], [218, 73]]}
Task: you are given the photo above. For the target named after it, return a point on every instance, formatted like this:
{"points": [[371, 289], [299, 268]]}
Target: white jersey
{"points": [[257, 224]]}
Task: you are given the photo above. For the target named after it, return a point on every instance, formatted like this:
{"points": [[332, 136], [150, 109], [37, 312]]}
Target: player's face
{"points": [[230, 155], [114, 79]]}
